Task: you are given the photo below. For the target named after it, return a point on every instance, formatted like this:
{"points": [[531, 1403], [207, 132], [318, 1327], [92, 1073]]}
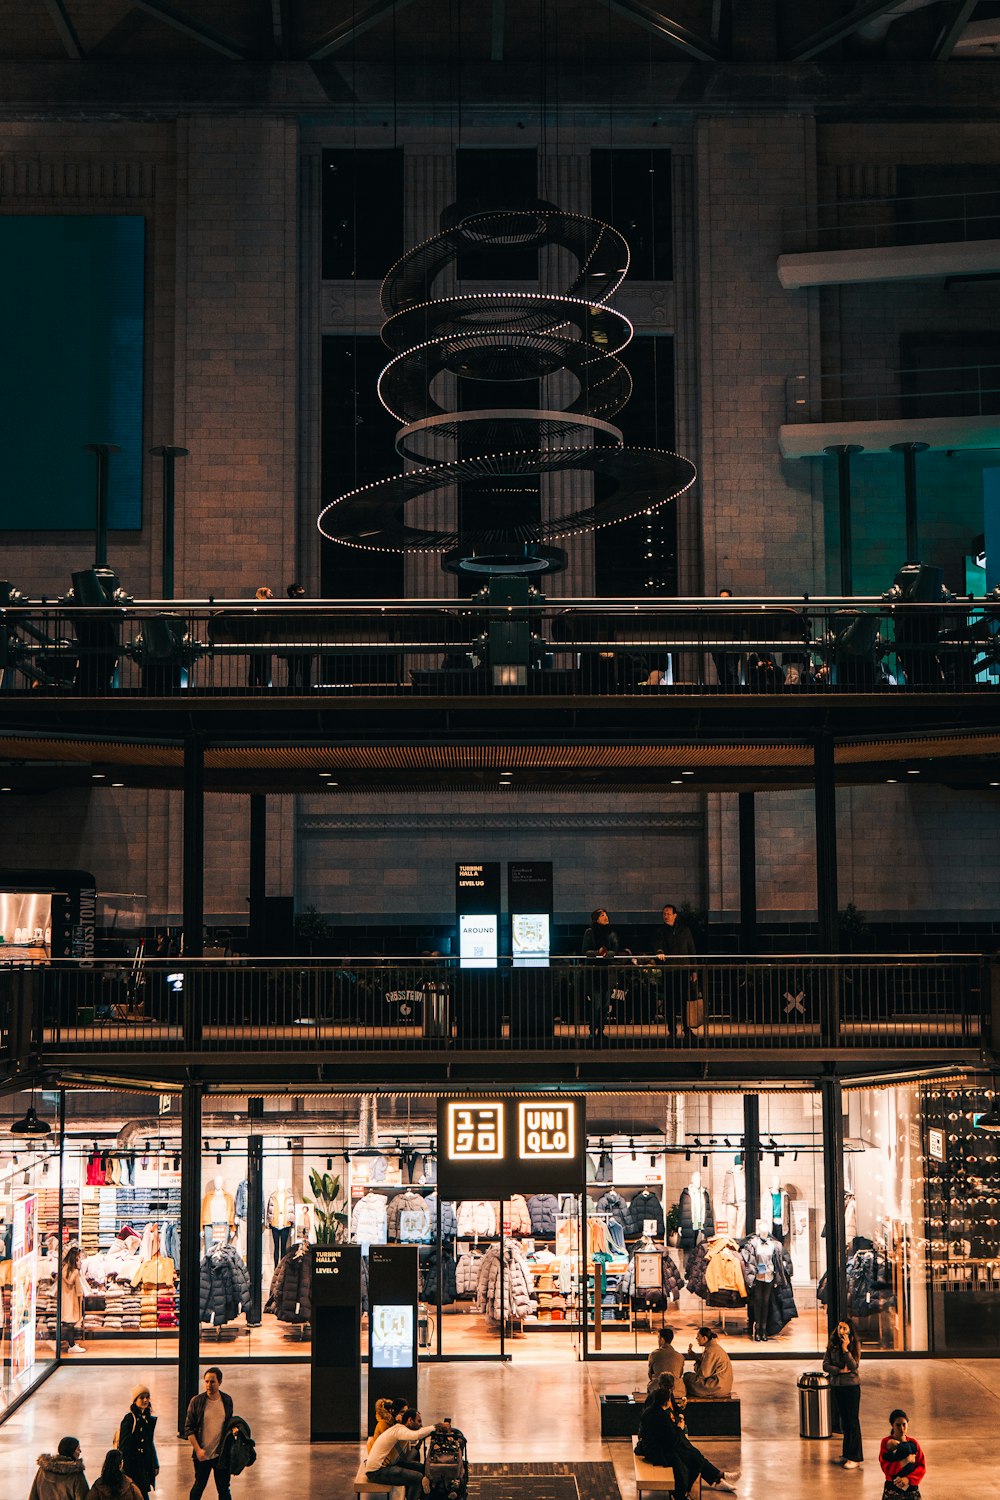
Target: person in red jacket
{"points": [[902, 1460]]}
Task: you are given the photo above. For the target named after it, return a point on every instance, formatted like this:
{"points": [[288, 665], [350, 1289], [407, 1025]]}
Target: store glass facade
{"points": [[686, 1195]]}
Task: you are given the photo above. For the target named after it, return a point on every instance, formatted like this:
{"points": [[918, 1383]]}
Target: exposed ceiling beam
{"points": [[843, 27], [194, 29], [64, 26], [945, 44], [361, 19], [698, 47]]}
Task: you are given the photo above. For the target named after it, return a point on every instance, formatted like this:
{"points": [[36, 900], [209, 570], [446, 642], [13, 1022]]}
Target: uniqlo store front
{"points": [[578, 1241]]}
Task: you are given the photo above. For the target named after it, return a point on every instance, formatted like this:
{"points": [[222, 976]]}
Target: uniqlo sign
{"points": [[490, 1148]]}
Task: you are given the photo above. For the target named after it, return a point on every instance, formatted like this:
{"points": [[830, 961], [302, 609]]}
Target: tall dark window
{"points": [[490, 179], [362, 213], [358, 447], [938, 204], [630, 190], [640, 556], [950, 374]]}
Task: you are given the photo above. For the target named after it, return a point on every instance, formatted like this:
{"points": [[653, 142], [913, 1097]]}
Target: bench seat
{"points": [[705, 1417], [650, 1478]]}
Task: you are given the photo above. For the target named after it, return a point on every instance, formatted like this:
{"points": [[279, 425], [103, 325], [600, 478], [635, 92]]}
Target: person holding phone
{"points": [[841, 1362]]}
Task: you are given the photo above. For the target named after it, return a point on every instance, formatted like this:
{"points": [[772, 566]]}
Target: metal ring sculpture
{"points": [[510, 337]]}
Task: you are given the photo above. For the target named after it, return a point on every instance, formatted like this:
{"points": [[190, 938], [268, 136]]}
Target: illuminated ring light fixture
{"points": [[486, 463]]}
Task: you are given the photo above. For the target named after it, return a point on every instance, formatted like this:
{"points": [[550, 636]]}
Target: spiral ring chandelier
{"points": [[491, 471]]}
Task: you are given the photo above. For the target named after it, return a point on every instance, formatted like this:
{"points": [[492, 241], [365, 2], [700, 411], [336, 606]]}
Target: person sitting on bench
{"points": [[662, 1440], [713, 1371], [385, 1466]]}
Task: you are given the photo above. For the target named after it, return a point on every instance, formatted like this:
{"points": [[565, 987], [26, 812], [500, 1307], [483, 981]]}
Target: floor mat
{"points": [[538, 1481]]}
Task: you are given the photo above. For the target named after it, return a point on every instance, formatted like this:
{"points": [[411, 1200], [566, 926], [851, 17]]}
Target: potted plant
{"points": [[330, 1221], [672, 1225]]}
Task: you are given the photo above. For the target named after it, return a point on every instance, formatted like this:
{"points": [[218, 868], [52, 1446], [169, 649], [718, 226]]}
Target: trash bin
{"points": [[814, 1405]]}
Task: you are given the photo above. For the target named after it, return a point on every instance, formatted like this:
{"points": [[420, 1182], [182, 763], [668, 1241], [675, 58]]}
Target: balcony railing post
{"points": [[194, 882], [189, 1323], [833, 1185]]}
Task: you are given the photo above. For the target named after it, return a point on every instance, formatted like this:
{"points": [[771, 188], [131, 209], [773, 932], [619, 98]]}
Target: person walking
{"points": [[136, 1433], [208, 1417], [841, 1362], [666, 1360], [902, 1459], [385, 1466], [663, 1441], [60, 1475], [713, 1370], [114, 1483], [72, 1290]]}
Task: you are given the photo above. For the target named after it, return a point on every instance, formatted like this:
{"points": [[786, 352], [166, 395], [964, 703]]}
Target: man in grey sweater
{"points": [[208, 1417]]}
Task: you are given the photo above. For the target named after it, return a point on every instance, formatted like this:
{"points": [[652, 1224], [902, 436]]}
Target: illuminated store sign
{"points": [[493, 1147], [477, 913]]}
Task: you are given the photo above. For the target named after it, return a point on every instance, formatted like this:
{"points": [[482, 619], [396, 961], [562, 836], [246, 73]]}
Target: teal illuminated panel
{"points": [[70, 368]]}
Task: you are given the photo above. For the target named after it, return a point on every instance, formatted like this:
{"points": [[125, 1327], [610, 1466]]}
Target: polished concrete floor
{"points": [[543, 1411]]}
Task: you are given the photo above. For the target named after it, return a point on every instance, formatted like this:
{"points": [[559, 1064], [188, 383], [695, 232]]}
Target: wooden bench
{"points": [[364, 1486], [650, 1478], [705, 1417]]}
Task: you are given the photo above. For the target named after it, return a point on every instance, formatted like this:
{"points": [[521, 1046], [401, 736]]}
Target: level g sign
{"points": [[495, 1147]]}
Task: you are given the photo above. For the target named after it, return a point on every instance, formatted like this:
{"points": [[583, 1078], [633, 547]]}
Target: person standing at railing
{"points": [[260, 662], [674, 942], [299, 663], [600, 943]]}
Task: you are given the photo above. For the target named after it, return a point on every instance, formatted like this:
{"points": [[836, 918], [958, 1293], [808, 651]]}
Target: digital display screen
{"points": [[478, 941], [529, 939], [392, 1336], [26, 926]]}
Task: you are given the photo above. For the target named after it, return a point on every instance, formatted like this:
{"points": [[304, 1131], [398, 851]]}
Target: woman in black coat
{"points": [[663, 1441], [136, 1432]]}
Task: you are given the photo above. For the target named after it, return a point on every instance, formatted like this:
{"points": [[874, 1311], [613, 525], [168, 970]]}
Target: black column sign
{"points": [[529, 901], [392, 1325], [477, 913], [335, 1394]]}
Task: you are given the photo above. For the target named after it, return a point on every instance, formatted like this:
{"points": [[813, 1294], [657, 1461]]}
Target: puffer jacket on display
{"points": [[429, 1281], [225, 1285], [646, 1206], [517, 1284], [725, 1283], [290, 1296], [782, 1307], [408, 1203], [476, 1217], [673, 1281], [517, 1212], [688, 1232], [542, 1210], [617, 1210], [368, 1221], [449, 1218], [467, 1274]]}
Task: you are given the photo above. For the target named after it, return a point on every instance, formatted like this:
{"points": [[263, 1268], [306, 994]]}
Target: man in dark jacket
{"points": [[662, 1440], [674, 941], [205, 1426]]}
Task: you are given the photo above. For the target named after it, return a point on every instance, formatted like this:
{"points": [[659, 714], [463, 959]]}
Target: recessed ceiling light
{"points": [[4, 788], [995, 783], [687, 773], [678, 782], [118, 783], [913, 773], [891, 781], [97, 776]]}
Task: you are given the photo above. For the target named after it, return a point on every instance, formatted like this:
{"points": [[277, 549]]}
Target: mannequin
{"points": [[280, 1217], [696, 1216], [763, 1247], [218, 1214], [774, 1209]]}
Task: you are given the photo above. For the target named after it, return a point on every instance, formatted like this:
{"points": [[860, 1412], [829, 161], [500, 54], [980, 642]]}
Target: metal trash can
{"points": [[814, 1405]]}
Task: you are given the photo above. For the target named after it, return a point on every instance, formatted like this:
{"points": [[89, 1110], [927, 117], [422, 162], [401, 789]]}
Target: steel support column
{"points": [[909, 452], [826, 879], [833, 1186], [843, 453], [194, 880], [751, 1159], [255, 1217], [748, 873], [258, 874], [189, 1327]]}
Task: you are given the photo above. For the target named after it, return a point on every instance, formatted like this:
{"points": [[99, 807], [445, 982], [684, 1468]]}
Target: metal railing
{"points": [[870, 223], [894, 395], [414, 649], [259, 1007]]}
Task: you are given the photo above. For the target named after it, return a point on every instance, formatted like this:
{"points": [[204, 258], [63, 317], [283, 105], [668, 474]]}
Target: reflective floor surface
{"points": [[541, 1411]]}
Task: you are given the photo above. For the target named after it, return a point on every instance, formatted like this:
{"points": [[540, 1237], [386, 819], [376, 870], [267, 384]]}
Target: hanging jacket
{"points": [[869, 1283], [467, 1273], [725, 1285], [240, 1200], [290, 1295], [646, 1205], [617, 1210], [517, 1286], [225, 1285], [688, 1232], [782, 1307], [476, 1217], [449, 1279], [673, 1281], [449, 1218], [520, 1219], [409, 1203], [368, 1221], [95, 1171], [605, 1168], [542, 1210]]}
